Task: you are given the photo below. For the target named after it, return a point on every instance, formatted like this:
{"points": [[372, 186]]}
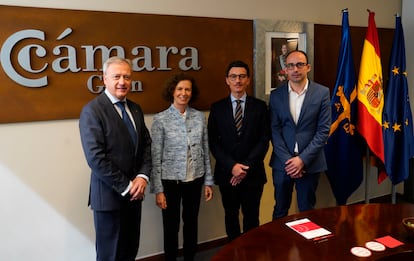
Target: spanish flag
{"points": [[370, 95]]}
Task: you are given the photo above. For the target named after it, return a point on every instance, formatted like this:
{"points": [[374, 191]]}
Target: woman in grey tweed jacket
{"points": [[181, 165]]}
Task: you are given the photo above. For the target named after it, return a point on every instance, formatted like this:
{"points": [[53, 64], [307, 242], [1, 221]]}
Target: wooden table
{"points": [[352, 226]]}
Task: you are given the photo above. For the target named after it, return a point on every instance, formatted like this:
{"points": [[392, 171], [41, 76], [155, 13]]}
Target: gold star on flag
{"points": [[396, 127], [405, 74], [386, 125], [395, 70]]}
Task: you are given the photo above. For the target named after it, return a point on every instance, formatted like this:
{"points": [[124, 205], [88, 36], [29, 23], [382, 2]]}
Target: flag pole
{"points": [[393, 194], [366, 177], [367, 166], [393, 188]]}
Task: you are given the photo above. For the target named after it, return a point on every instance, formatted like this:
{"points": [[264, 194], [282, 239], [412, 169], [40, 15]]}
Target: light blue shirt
{"points": [[234, 103]]}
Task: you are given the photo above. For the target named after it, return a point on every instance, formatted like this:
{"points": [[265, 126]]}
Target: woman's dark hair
{"points": [[171, 84]]}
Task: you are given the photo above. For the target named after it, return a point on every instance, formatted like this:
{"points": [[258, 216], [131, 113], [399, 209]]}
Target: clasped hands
{"points": [[239, 172], [294, 167]]}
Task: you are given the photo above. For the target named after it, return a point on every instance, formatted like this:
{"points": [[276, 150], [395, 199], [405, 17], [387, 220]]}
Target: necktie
{"points": [[127, 121], [238, 115]]}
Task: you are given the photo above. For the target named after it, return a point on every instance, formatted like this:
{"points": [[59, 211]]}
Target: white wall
{"points": [[44, 179], [408, 22]]}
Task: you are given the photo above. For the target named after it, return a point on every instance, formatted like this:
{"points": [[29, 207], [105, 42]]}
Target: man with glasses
{"points": [[300, 116], [239, 133]]}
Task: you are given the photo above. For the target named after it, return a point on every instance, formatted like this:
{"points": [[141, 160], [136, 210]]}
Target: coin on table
{"points": [[375, 246], [360, 251]]}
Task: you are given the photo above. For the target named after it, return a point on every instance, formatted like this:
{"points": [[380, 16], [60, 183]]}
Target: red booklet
{"points": [[389, 241]]}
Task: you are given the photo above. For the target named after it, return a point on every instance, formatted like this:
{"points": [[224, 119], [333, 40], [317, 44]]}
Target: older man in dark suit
{"points": [[300, 116], [239, 133], [117, 146]]}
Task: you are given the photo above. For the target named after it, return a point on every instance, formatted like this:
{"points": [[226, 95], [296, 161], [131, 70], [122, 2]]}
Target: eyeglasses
{"points": [[291, 66], [234, 77]]}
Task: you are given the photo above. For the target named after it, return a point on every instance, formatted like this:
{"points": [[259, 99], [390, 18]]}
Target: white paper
{"points": [[308, 229]]}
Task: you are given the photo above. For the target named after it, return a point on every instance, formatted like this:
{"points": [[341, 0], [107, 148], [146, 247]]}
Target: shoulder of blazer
{"points": [[313, 86], [281, 89], [163, 114], [103, 98], [105, 108], [281, 93], [99, 104], [134, 107], [254, 100], [195, 112], [221, 103]]}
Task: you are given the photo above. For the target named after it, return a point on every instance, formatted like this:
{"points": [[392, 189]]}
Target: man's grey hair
{"points": [[115, 59]]}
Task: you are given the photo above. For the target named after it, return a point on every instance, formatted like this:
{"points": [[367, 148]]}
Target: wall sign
{"points": [[51, 59]]}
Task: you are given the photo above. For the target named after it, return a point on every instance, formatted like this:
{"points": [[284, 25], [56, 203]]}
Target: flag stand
{"points": [[367, 168]]}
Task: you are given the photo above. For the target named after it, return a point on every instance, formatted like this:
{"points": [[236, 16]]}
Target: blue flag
{"points": [[397, 119], [343, 151]]}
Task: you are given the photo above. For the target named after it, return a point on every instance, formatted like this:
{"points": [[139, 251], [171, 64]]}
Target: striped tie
{"points": [[238, 115]]}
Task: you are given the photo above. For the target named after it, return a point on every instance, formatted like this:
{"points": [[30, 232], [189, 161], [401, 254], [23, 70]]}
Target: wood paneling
{"points": [[326, 52], [218, 41]]}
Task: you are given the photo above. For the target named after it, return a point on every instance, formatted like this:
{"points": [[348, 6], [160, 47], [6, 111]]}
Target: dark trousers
{"points": [[187, 193], [305, 192], [246, 196], [118, 232]]}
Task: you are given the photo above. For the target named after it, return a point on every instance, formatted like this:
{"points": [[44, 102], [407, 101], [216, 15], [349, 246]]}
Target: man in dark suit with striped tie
{"points": [[239, 133], [117, 147]]}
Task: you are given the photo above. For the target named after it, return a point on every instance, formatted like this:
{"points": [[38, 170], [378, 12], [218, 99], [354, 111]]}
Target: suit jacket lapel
{"points": [[229, 115], [247, 113], [109, 107], [135, 114], [113, 114], [285, 101]]}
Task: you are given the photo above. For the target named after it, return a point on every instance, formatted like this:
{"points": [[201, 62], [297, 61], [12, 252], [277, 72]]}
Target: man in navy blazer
{"points": [[300, 116], [119, 166], [239, 154]]}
